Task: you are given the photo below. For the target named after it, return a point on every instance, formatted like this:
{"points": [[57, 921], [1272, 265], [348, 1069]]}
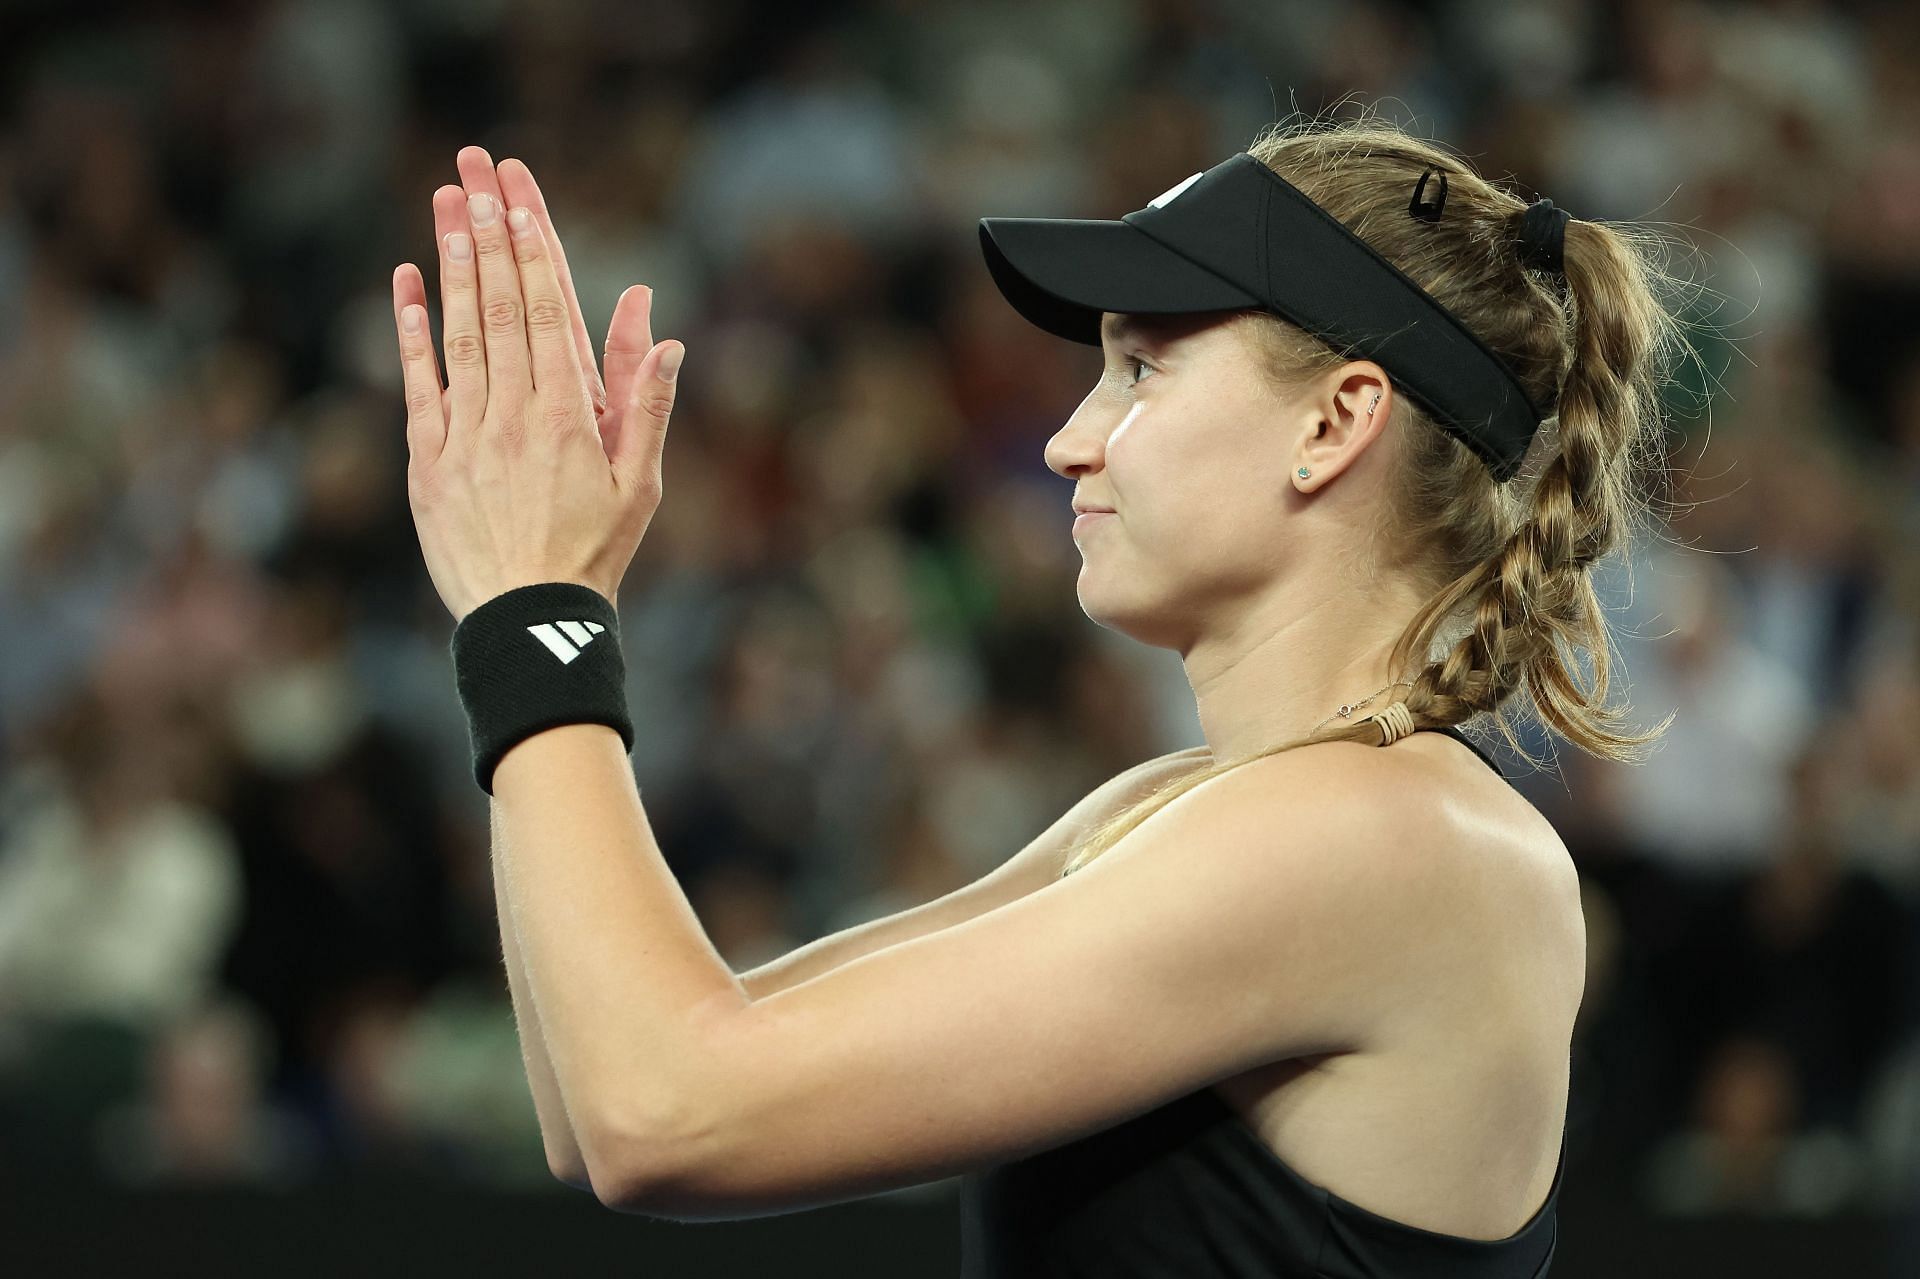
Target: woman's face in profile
{"points": [[1189, 443]]}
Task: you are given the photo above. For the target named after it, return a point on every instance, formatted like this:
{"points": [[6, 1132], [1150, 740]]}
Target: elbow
{"points": [[614, 1183], [632, 1189], [569, 1168], [627, 1194], [645, 1149], [624, 1167]]}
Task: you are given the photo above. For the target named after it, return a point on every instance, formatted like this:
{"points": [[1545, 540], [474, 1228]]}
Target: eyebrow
{"points": [[1122, 327]]}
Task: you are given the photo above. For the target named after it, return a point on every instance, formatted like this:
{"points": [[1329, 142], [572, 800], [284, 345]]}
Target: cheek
{"points": [[1160, 457], [1122, 439]]}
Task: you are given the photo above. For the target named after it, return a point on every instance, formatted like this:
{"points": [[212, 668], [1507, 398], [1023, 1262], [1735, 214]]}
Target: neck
{"points": [[1280, 683]]}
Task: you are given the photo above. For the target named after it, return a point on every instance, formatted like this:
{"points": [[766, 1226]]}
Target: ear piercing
{"points": [[1304, 473]]}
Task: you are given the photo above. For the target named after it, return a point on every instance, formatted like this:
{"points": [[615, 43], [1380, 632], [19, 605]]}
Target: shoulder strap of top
{"points": [[1453, 731]]}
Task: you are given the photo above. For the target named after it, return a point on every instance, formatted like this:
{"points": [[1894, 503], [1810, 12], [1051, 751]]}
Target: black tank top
{"points": [[1191, 1190]]}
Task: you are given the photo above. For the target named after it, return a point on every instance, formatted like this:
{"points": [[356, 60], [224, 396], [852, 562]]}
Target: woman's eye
{"points": [[1133, 363]]}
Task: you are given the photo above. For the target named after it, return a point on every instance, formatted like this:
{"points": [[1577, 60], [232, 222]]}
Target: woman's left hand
{"points": [[516, 474]]}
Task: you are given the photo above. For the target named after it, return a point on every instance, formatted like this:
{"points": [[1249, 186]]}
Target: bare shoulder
{"points": [[1434, 785], [1424, 820], [1490, 821], [1311, 902], [1329, 885], [1515, 890], [1354, 801]]}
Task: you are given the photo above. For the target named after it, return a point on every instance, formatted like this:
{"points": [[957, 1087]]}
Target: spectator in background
{"points": [[204, 1117], [244, 902], [1745, 1152], [1876, 796], [117, 897], [1740, 718], [1807, 952]]}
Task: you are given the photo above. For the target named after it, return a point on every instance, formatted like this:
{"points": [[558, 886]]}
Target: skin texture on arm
{"points": [[1027, 871], [1228, 931], [1032, 868], [556, 1126], [515, 477]]}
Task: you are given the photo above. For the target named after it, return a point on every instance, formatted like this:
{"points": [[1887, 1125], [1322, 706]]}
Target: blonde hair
{"points": [[1507, 568]]}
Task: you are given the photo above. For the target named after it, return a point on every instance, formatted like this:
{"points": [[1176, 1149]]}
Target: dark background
{"points": [[251, 1009]]}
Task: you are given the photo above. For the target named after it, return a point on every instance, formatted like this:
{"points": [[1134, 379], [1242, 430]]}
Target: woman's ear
{"points": [[1362, 390], [1347, 411]]}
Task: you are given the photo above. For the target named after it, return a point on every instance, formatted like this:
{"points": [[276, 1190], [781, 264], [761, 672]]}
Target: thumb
{"points": [[637, 452]]}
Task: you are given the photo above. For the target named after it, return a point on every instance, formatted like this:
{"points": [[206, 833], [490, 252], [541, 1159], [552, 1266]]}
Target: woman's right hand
{"points": [[628, 335]]}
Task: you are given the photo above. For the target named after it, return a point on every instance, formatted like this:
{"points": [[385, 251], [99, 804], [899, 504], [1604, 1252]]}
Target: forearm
{"points": [[614, 957], [556, 1125]]}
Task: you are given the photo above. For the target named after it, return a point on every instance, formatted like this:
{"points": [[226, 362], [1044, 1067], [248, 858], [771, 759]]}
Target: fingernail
{"points": [[520, 220], [480, 208], [670, 363], [410, 319], [459, 247]]}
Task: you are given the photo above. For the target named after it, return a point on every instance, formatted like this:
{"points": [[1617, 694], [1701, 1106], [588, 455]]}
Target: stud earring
{"points": [[1304, 472]]}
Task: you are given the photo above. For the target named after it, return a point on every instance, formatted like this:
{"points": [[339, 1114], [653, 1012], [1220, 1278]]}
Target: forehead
{"points": [[1117, 327]]}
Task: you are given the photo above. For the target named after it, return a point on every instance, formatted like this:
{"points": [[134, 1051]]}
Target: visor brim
{"points": [[1061, 274]]}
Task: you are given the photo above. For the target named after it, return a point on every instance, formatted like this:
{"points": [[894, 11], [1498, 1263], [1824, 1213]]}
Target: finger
{"points": [[518, 187], [502, 310], [460, 308], [641, 437], [426, 430], [629, 339], [637, 436], [410, 289], [556, 364]]}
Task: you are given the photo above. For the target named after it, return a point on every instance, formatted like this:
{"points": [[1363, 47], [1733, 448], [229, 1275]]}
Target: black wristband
{"points": [[535, 658]]}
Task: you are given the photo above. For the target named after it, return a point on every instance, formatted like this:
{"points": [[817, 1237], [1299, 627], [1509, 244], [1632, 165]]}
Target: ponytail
{"points": [[1507, 568]]}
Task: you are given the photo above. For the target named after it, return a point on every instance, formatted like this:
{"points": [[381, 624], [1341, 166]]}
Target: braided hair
{"points": [[1577, 310]]}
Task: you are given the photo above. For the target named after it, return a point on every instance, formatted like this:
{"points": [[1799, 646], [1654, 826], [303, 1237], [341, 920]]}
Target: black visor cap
{"points": [[1240, 236], [1070, 270]]}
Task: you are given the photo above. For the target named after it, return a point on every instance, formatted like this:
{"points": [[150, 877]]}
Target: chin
{"points": [[1151, 627]]}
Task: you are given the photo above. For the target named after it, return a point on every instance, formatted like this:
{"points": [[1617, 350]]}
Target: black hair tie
{"points": [[1543, 235], [1428, 211]]}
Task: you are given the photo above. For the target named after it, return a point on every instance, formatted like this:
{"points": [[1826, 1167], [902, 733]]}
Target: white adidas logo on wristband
{"points": [[581, 633]]}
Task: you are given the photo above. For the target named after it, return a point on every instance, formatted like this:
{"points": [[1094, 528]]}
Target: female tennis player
{"points": [[1298, 1002]]}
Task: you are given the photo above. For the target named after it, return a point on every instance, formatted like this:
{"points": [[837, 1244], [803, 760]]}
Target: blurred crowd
{"points": [[246, 917]]}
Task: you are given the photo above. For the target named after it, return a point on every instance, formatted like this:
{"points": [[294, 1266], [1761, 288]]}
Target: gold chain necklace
{"points": [[1346, 711]]}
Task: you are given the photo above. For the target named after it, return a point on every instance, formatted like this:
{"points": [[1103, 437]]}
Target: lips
{"points": [[1086, 519]]}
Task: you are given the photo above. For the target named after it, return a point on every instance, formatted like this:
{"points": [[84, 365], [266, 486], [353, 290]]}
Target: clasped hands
{"points": [[525, 466]]}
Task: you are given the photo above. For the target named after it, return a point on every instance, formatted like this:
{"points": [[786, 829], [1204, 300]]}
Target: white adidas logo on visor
{"points": [[581, 633], [1166, 197]]}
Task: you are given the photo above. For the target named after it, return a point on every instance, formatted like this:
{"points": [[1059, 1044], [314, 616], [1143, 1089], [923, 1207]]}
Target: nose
{"points": [[1080, 445]]}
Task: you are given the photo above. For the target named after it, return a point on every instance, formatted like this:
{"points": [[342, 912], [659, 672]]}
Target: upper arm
{"points": [[1030, 869], [1226, 931]]}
